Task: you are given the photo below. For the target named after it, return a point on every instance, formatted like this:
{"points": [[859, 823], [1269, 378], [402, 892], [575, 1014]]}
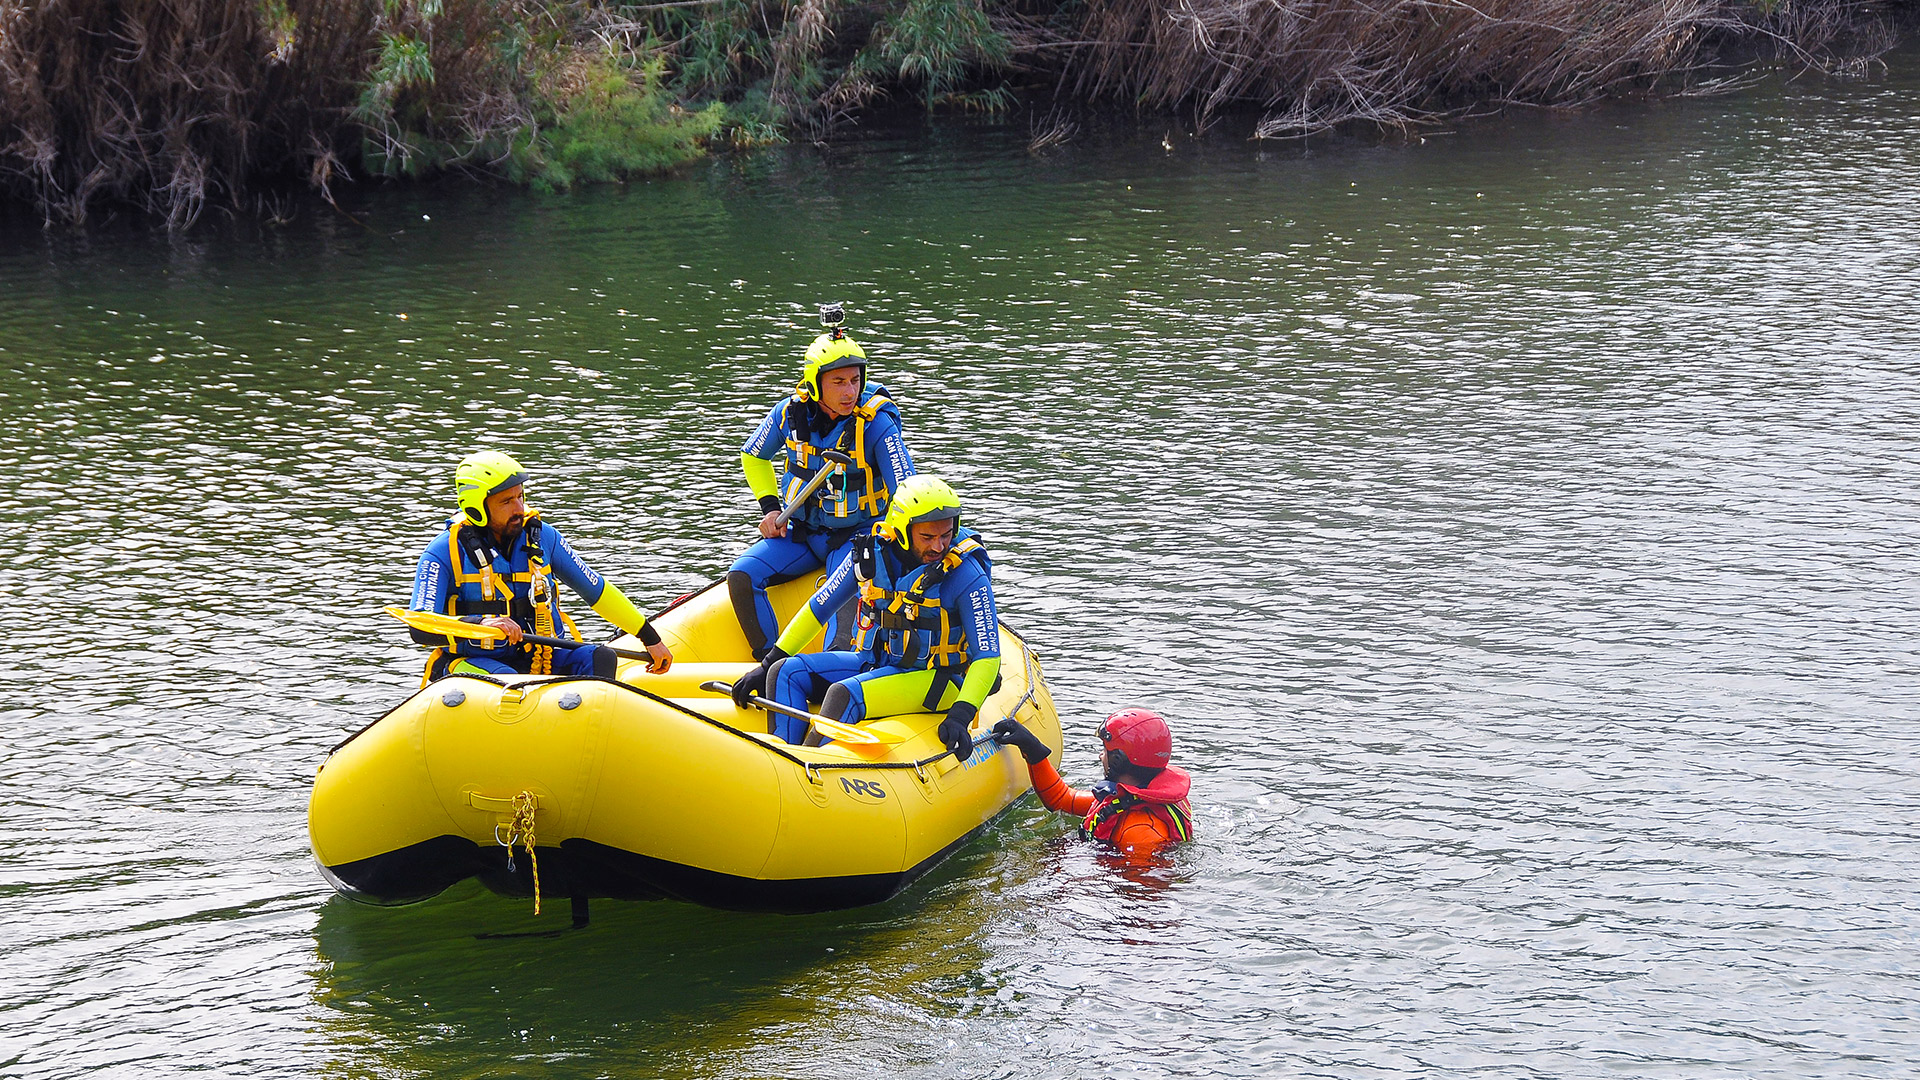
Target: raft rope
{"points": [[810, 767], [520, 831]]}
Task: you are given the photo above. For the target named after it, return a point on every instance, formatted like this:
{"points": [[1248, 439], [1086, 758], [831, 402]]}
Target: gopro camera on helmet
{"points": [[832, 317]]}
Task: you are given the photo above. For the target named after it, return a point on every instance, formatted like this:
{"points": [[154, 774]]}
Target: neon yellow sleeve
{"points": [[614, 607], [979, 681], [759, 476], [805, 624]]}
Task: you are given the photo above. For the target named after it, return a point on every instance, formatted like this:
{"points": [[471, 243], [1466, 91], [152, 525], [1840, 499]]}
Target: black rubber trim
{"points": [[583, 869]]}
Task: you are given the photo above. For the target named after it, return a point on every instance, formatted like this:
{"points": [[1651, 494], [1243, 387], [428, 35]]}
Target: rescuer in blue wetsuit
{"points": [[833, 408], [929, 634], [495, 566]]}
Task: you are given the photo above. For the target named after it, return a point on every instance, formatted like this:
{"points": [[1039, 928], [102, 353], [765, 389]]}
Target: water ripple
{"points": [[1517, 525]]}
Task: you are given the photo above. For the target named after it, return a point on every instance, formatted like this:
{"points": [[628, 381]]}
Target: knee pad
{"points": [[841, 705], [747, 609], [606, 664]]}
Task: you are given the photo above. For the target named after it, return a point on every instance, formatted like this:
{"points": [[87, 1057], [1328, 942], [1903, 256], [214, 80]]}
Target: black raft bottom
{"points": [[582, 870]]}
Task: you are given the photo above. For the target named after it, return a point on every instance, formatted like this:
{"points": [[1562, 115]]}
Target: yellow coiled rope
{"points": [[520, 831]]}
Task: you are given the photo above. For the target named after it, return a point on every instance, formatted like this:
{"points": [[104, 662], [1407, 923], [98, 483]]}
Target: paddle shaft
{"points": [[715, 686], [563, 643], [493, 637], [840, 461]]}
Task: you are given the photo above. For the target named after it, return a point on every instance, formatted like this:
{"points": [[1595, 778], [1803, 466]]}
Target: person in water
{"points": [[495, 566], [1141, 806], [929, 634], [834, 407]]}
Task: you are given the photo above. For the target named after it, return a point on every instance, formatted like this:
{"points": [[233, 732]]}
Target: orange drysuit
{"points": [[1132, 819]]}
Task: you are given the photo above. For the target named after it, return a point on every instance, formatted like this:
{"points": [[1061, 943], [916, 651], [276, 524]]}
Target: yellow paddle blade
{"points": [[434, 623], [846, 733]]}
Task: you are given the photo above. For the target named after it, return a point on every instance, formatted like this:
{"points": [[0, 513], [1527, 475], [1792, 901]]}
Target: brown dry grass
{"points": [[1313, 64], [168, 104], [172, 106]]}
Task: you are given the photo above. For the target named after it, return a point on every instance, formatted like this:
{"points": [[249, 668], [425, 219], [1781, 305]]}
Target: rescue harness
{"points": [[537, 610], [1104, 818], [803, 457], [903, 626]]}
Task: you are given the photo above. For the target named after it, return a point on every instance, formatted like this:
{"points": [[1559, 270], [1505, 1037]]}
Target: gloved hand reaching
{"points": [[1011, 732], [755, 680], [953, 730]]}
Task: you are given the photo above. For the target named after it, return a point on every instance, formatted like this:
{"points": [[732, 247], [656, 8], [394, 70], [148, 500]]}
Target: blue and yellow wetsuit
{"points": [[929, 636], [464, 573], [844, 507]]}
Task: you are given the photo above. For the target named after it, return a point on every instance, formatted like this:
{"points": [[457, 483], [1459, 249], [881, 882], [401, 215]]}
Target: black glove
{"points": [[755, 680], [953, 730], [1011, 732], [746, 686], [1104, 790]]}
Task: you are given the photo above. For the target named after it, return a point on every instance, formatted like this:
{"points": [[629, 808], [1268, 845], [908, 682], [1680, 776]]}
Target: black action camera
{"points": [[832, 315]]}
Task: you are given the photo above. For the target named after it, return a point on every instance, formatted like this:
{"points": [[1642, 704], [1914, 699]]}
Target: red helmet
{"points": [[1140, 736]]}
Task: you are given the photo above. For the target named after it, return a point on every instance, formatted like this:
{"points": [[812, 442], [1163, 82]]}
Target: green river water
{"points": [[1518, 526]]}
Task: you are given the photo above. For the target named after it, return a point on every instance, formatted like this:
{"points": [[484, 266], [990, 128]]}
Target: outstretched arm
{"points": [[1047, 783], [1054, 792], [839, 586], [604, 597], [967, 597]]}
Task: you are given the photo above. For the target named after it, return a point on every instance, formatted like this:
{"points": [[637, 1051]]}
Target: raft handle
{"points": [[499, 804]]}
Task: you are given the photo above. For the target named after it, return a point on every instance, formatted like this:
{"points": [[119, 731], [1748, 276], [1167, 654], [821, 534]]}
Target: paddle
{"points": [[446, 624], [840, 461], [832, 729]]}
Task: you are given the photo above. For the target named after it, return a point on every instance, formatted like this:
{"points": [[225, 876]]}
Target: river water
{"points": [[1517, 524]]}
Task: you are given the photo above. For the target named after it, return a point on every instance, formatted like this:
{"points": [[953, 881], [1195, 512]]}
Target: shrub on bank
{"points": [[172, 105], [614, 123]]}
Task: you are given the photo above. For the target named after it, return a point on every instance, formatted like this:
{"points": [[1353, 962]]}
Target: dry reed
{"points": [[1313, 64], [175, 105], [169, 104]]}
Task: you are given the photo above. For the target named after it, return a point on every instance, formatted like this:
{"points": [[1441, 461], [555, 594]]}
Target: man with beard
{"points": [[929, 638], [495, 566]]}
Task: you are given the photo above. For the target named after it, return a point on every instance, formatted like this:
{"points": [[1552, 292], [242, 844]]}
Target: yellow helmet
{"points": [[830, 351], [919, 498], [481, 475]]}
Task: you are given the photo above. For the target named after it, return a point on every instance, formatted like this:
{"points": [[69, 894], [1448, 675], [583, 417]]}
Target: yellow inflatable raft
{"points": [[649, 787]]}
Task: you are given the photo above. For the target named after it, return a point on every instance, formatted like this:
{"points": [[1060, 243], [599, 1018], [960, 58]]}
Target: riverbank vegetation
{"points": [[171, 106]]}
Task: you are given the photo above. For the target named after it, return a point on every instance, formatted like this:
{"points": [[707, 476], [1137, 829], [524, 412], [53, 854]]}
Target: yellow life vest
{"points": [[540, 605], [915, 618], [803, 460]]}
